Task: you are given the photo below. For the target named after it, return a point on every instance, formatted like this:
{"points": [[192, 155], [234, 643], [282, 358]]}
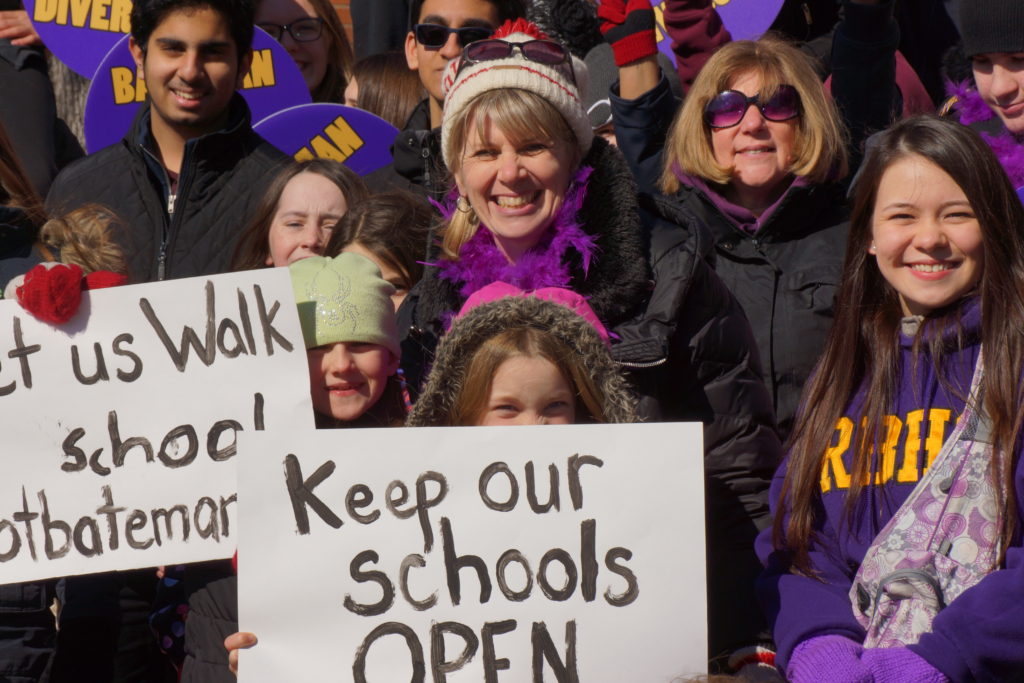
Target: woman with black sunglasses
{"points": [[759, 154], [313, 35], [537, 202]]}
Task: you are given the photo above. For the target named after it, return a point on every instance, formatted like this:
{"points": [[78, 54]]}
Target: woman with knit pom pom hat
{"points": [[538, 202]]}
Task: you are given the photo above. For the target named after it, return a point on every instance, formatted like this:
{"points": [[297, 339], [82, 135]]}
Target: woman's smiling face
{"points": [[758, 151], [925, 236], [515, 187]]}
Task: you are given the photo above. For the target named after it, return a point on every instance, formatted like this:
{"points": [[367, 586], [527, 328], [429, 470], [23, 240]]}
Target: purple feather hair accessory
{"points": [[481, 262], [969, 106]]}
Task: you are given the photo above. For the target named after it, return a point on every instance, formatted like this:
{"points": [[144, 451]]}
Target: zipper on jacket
{"points": [[642, 365], [161, 263]]}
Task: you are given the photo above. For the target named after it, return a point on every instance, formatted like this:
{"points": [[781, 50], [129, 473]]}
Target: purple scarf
{"points": [[545, 264]]}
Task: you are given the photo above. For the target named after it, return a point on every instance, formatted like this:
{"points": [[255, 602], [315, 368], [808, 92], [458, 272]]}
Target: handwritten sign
{"points": [[745, 20], [564, 553], [274, 82], [359, 139], [120, 426]]}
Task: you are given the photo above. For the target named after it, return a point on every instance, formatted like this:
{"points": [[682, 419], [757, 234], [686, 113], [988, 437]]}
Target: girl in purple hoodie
{"points": [[934, 271]]}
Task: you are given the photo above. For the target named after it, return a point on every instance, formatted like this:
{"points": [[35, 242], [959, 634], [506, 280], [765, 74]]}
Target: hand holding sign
{"points": [[16, 27]]}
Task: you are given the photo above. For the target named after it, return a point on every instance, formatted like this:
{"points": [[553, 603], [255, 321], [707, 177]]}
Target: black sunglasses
{"points": [[727, 109], [545, 52], [434, 36], [304, 30]]}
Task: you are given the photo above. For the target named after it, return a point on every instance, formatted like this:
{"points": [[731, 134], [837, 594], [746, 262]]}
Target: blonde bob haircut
{"points": [[820, 146], [522, 116]]}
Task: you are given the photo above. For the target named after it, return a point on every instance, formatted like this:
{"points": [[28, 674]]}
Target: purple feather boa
{"points": [[971, 108], [545, 265]]}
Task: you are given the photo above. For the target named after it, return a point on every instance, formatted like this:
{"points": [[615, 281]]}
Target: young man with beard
{"points": [[186, 176]]}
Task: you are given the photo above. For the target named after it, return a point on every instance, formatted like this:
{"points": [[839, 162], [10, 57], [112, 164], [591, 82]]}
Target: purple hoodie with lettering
{"points": [[980, 635]]}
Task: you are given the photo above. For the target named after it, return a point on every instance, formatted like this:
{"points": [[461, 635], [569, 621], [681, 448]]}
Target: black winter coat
{"points": [[417, 164], [223, 176], [690, 354]]}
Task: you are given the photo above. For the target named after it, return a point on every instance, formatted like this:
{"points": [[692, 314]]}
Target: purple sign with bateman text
{"points": [[274, 82], [745, 19], [80, 33], [355, 137]]}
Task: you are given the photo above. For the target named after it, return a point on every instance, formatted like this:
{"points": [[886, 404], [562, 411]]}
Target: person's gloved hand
{"points": [[52, 292], [899, 665], [827, 659], [628, 26]]}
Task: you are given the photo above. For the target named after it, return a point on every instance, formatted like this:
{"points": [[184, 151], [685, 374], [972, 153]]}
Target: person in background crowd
{"points": [[27, 632], [187, 174], [758, 153], [313, 35], [540, 202], [878, 528], [383, 85], [28, 111], [438, 30], [515, 357], [993, 105], [297, 214], [21, 214], [391, 230]]}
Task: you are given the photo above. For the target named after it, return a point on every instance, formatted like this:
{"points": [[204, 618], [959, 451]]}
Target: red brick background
{"points": [[346, 18]]}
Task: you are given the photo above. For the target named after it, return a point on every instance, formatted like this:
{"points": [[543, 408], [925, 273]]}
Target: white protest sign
{"points": [[119, 426], [558, 553]]}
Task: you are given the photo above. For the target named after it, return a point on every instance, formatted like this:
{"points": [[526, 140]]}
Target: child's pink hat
{"points": [[563, 297]]}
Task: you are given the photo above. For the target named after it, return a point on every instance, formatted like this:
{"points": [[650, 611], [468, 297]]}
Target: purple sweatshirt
{"points": [[979, 636]]}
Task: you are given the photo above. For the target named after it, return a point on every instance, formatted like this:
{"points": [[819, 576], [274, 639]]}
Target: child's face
{"points": [[1000, 79], [348, 378], [529, 390], [925, 236], [309, 208]]}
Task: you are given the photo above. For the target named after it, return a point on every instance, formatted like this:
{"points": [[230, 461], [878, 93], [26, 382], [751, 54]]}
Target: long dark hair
{"points": [[15, 188], [253, 246], [862, 348]]}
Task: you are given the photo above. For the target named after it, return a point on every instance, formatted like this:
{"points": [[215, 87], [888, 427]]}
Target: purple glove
{"points": [[836, 659]]}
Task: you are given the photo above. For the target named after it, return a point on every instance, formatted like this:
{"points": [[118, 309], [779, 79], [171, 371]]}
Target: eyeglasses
{"points": [[434, 36], [545, 52], [304, 30], [726, 109]]}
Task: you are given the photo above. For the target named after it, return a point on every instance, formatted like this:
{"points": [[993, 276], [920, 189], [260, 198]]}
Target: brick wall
{"points": [[346, 17]]}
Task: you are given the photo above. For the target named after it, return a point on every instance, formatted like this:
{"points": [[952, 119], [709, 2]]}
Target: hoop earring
{"points": [[463, 205]]}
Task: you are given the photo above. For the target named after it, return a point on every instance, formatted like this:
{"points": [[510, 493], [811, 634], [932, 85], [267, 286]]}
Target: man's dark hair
{"points": [[240, 15], [507, 10]]}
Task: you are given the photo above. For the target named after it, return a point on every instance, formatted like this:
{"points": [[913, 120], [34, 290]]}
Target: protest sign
{"points": [[357, 138], [745, 20], [273, 82], [560, 553], [119, 426], [80, 33]]}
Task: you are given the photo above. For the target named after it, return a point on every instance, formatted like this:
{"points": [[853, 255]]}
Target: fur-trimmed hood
{"points": [[437, 402]]}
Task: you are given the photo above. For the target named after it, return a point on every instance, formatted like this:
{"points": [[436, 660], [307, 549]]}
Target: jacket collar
{"points": [[239, 122]]}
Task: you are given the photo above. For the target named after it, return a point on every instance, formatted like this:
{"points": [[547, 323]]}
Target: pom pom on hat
{"points": [[565, 94], [344, 299]]}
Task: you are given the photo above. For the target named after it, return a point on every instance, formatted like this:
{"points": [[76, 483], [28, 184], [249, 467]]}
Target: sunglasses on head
{"points": [[727, 109], [303, 30], [434, 36], [545, 52]]}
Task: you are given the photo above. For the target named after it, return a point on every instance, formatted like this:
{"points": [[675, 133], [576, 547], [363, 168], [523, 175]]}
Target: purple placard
{"points": [[80, 33], [355, 137], [745, 19], [273, 83]]}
